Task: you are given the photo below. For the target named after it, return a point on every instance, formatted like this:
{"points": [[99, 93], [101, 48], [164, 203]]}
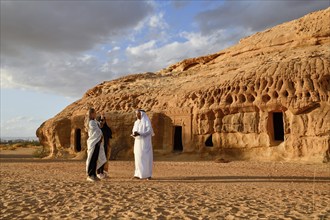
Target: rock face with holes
{"points": [[265, 98]]}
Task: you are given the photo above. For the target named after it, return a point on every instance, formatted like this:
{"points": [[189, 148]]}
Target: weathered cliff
{"points": [[266, 97]]}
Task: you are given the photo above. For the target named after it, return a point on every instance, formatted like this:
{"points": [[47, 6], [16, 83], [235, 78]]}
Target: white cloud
{"points": [[153, 56], [157, 21], [116, 48], [152, 27], [115, 61], [143, 48], [52, 45], [20, 126], [66, 48], [6, 79], [66, 75]]}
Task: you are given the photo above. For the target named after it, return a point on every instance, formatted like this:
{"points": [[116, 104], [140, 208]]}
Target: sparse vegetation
{"points": [[41, 152], [20, 142], [7, 147]]}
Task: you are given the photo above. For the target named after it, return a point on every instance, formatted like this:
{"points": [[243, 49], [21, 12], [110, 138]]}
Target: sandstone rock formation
{"points": [[265, 98]]}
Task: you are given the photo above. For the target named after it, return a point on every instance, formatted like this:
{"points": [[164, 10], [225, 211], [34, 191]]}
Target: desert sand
{"points": [[57, 189]]}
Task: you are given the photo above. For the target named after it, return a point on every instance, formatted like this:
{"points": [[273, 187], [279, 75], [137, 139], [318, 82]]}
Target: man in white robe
{"points": [[143, 154]]}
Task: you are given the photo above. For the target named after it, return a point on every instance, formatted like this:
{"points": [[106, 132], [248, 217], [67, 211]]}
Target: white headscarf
{"points": [[145, 121]]}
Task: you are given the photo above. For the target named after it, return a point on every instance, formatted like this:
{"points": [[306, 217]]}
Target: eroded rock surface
{"points": [[265, 98]]}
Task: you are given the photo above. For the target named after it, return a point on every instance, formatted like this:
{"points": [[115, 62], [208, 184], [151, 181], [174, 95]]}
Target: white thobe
{"points": [[143, 154]]}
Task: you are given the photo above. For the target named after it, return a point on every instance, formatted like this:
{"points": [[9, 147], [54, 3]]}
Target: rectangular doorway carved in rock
{"points": [[177, 141], [77, 140], [209, 141], [278, 126]]}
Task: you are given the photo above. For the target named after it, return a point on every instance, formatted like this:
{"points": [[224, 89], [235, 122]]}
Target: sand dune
{"points": [[53, 189]]}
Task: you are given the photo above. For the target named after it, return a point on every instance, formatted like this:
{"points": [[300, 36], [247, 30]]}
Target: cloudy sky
{"points": [[53, 51]]}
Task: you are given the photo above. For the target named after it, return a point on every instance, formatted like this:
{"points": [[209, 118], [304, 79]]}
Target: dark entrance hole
{"points": [[278, 126], [78, 140], [177, 143], [209, 142]]}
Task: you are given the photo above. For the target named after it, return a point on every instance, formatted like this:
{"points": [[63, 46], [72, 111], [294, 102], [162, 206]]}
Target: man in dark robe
{"points": [[107, 135]]}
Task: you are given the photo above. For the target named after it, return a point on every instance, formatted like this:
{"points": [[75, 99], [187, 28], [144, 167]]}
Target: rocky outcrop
{"points": [[264, 98]]}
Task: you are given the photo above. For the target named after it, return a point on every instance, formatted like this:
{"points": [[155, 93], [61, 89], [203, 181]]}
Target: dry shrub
{"points": [[41, 152]]}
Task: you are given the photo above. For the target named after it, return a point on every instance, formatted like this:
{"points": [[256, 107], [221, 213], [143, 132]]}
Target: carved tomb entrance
{"points": [[77, 140], [177, 139]]}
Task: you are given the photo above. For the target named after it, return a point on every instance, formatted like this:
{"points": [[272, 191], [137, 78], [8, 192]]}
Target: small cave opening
{"points": [[278, 126], [209, 142], [177, 142], [78, 140]]}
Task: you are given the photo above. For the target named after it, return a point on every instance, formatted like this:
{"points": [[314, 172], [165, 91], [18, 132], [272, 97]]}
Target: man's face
{"points": [[93, 115], [138, 114], [102, 121]]}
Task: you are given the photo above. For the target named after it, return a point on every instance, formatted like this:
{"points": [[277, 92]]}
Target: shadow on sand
{"points": [[245, 179], [17, 158]]}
